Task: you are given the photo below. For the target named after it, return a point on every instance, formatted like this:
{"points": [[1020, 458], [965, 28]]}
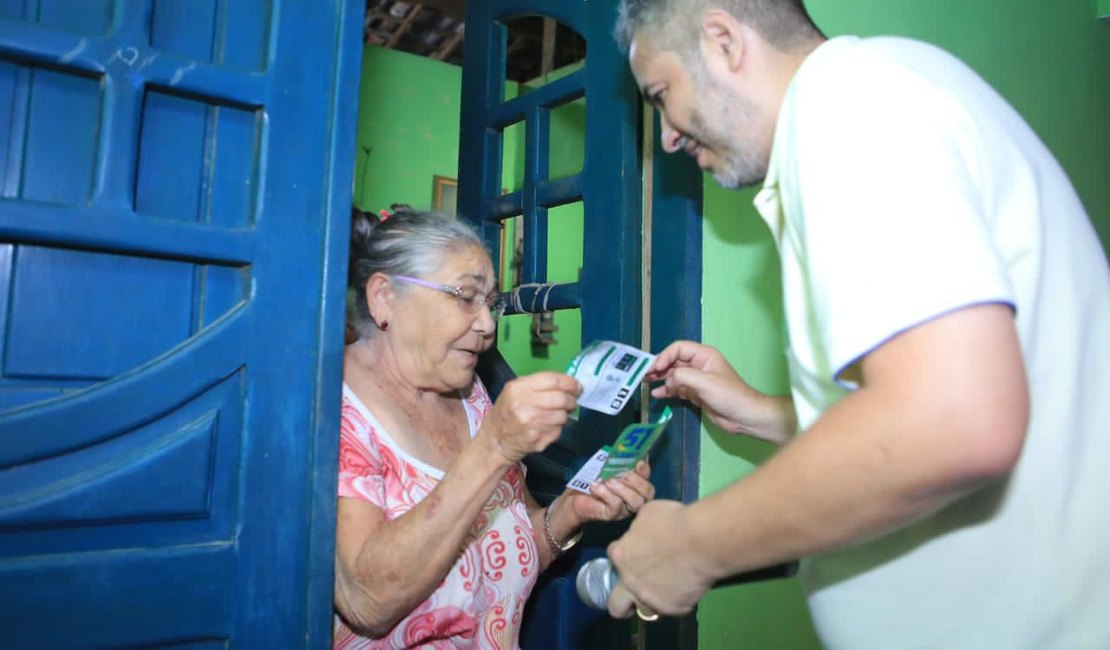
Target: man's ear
{"points": [[379, 297], [722, 38]]}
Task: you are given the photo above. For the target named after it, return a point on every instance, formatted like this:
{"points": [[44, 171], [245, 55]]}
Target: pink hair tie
{"points": [[384, 214]]}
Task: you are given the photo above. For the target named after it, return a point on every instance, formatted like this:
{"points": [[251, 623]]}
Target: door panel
{"points": [[174, 186], [94, 345], [607, 187]]}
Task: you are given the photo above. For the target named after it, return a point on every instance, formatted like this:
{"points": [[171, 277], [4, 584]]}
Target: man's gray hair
{"points": [[412, 243], [675, 24]]}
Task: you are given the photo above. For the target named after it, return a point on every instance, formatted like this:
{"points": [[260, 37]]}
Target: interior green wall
{"points": [[1049, 59], [408, 116]]}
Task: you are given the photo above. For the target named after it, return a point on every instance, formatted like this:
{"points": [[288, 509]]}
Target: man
{"points": [[948, 316]]}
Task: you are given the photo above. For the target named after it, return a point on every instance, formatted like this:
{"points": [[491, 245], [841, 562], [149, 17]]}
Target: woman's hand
{"points": [[530, 413], [613, 499], [609, 500]]}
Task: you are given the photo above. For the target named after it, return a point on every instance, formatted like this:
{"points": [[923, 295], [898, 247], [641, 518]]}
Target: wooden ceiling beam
{"points": [[414, 10], [452, 8], [449, 46], [547, 51]]}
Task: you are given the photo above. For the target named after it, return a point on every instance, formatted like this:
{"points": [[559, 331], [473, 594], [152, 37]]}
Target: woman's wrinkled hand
{"points": [[530, 413], [615, 498]]}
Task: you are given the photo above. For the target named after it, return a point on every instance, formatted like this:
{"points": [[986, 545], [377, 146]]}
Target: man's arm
{"points": [[943, 410]]}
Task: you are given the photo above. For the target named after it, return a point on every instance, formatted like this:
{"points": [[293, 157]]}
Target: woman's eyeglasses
{"points": [[470, 299]]}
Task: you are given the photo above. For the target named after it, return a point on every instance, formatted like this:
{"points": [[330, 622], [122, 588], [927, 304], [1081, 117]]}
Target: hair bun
{"points": [[400, 208], [362, 224], [362, 227]]}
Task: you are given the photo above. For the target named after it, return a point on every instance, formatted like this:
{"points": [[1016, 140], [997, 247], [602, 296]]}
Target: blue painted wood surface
{"points": [[608, 293], [174, 197], [676, 280]]}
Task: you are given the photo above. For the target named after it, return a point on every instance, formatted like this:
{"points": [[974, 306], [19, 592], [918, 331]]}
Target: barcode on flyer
{"points": [[626, 361]]}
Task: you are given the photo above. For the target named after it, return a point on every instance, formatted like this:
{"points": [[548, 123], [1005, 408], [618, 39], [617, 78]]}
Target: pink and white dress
{"points": [[481, 601]]}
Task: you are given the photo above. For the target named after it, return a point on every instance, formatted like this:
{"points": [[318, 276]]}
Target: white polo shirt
{"points": [[902, 187]]}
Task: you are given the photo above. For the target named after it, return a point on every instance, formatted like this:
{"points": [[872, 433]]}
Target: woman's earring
{"points": [[384, 326]]}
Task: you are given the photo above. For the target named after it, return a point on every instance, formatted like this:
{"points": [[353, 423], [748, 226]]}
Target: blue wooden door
{"points": [[174, 195]]}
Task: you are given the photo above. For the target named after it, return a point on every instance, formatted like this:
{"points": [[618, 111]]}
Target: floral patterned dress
{"points": [[479, 604]]}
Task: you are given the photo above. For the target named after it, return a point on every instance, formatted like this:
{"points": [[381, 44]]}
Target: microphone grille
{"points": [[595, 582]]}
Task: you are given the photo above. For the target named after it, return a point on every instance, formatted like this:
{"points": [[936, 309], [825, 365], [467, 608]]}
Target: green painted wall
{"points": [[1049, 59], [408, 116]]}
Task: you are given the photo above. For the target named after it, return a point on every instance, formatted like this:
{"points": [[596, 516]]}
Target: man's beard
{"points": [[733, 120]]}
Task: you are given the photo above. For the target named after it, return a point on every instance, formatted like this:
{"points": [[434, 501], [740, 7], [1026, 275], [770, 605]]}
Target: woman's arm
{"points": [[564, 526], [384, 568]]}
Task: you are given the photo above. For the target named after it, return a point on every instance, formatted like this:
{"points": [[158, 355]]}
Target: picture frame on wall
{"points": [[444, 194]]}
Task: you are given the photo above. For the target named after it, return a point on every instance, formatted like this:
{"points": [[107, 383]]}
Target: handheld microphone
{"points": [[595, 582], [597, 578]]}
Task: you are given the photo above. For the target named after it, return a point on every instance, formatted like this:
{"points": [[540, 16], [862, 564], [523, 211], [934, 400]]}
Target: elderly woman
{"points": [[439, 541]]}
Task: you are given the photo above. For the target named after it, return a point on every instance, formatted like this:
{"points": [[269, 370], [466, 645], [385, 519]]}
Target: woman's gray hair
{"points": [[410, 242]]}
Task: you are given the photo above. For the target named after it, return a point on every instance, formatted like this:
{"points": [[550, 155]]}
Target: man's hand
{"points": [[658, 565], [700, 374]]}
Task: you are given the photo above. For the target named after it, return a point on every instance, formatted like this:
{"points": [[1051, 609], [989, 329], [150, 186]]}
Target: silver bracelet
{"points": [[557, 549]]}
